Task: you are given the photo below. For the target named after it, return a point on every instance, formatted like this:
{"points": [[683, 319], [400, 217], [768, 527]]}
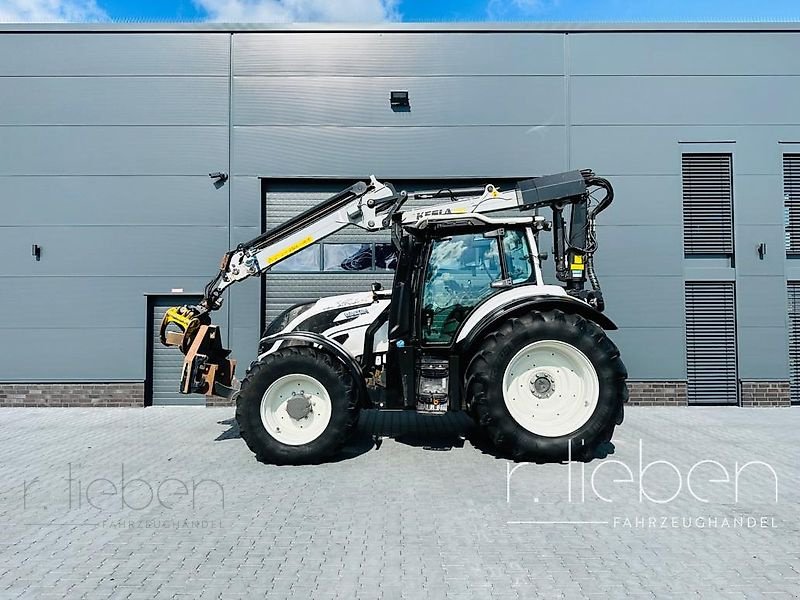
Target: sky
{"points": [[396, 10]]}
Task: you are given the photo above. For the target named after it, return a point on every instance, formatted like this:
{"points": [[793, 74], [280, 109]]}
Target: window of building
{"points": [[791, 202], [707, 204]]}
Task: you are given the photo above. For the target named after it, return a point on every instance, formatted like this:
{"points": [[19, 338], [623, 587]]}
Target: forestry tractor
{"points": [[469, 324]]}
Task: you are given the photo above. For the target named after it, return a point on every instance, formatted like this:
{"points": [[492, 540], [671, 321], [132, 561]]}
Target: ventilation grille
{"points": [[791, 201], [707, 204], [794, 340], [711, 342]]}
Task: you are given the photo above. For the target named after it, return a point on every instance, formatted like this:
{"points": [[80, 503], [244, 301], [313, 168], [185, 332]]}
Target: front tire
{"points": [[548, 386], [297, 406]]}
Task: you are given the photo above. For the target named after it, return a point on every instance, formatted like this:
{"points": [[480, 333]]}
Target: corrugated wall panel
{"points": [[711, 342], [511, 151], [707, 204], [357, 101], [386, 54], [109, 54], [114, 101], [166, 362]]}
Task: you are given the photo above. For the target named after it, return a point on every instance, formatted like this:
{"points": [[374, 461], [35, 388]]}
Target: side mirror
{"points": [[377, 286]]}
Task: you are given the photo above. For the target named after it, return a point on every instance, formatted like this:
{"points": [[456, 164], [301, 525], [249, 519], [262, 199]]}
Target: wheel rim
{"points": [[295, 409], [550, 388]]}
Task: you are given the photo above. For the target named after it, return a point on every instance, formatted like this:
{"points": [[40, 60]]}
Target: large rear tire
{"points": [[548, 386], [297, 406]]}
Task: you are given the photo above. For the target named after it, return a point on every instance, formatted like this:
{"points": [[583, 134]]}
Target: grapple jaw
{"points": [[206, 366]]}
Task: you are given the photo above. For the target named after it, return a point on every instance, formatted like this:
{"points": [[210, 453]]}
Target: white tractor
{"points": [[468, 325]]}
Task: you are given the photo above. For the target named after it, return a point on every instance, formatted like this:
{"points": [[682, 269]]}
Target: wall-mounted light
{"points": [[219, 178], [762, 250], [398, 100], [36, 251]]}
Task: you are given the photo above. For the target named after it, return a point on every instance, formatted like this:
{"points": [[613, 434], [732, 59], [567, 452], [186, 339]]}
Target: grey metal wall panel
{"points": [[711, 342], [398, 54], [684, 100], [102, 251], [393, 152], [75, 354], [641, 199], [246, 201], [113, 150], [643, 301], [166, 362], [652, 352], [761, 302], [649, 150], [722, 53], [763, 353], [113, 54], [113, 200], [748, 237], [639, 250], [114, 101], [758, 199], [344, 101]]}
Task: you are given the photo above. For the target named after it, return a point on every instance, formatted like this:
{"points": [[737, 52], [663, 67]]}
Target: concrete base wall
{"points": [[72, 394], [764, 393], [657, 393]]}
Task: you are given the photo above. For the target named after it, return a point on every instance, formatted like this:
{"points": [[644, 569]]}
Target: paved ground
{"points": [[169, 503]]}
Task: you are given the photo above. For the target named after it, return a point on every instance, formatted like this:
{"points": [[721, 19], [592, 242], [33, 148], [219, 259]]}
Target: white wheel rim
{"points": [[550, 388], [275, 412]]}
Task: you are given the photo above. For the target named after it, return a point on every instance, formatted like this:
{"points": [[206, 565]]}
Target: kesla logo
{"points": [[438, 211]]}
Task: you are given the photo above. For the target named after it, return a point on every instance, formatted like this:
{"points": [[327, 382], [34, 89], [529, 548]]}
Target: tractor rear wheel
{"points": [[297, 406], [548, 386]]}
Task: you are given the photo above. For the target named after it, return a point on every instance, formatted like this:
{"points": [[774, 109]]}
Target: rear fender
{"points": [[535, 303]]}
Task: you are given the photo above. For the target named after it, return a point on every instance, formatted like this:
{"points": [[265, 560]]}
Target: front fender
{"points": [[335, 348], [539, 303]]}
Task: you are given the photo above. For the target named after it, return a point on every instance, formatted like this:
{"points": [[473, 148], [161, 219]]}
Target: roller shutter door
{"points": [[317, 271], [164, 364], [711, 342], [794, 340]]}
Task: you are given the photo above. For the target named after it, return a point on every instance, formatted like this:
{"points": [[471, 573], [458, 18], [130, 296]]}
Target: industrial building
{"points": [[108, 134]]}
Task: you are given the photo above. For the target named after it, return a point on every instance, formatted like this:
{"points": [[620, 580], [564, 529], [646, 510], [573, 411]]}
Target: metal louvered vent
{"points": [[707, 204], [711, 342], [793, 289], [791, 201]]}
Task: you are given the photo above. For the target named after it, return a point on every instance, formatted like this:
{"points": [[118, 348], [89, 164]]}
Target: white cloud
{"points": [[501, 10], [300, 11], [48, 11]]}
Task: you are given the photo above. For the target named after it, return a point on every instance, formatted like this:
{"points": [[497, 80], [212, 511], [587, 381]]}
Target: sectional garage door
{"points": [[346, 262]]}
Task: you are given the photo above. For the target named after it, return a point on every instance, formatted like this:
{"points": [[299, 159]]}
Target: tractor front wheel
{"points": [[297, 405], [548, 386]]}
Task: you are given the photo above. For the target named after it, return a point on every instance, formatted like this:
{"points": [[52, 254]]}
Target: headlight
{"points": [[290, 314]]}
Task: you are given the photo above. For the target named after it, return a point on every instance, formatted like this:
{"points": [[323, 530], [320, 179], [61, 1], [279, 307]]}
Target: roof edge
{"points": [[481, 27]]}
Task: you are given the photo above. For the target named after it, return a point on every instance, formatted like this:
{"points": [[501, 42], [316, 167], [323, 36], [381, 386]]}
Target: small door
{"points": [[164, 363], [711, 342]]}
